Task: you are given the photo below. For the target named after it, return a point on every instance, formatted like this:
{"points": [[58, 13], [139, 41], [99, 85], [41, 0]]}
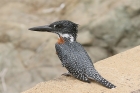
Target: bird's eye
{"points": [[57, 26], [54, 26]]}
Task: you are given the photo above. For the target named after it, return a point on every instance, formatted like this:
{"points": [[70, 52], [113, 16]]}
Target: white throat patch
{"points": [[67, 36]]}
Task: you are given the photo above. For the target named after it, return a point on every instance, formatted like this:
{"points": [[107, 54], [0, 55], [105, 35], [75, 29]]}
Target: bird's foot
{"points": [[66, 74]]}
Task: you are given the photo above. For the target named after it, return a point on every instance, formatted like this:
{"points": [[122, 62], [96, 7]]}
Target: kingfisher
{"points": [[72, 54]]}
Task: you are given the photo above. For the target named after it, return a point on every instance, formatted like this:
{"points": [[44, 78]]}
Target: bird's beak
{"points": [[45, 28]]}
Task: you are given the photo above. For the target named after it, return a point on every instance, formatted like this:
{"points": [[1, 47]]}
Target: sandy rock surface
{"points": [[123, 70]]}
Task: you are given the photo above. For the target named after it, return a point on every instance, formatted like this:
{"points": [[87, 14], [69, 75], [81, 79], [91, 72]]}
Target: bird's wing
{"points": [[74, 58], [71, 53], [79, 64]]}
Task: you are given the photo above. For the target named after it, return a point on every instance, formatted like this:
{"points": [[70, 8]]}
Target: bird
{"points": [[72, 54]]}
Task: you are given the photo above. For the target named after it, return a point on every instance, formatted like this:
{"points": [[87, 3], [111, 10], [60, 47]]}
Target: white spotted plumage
{"points": [[79, 63]]}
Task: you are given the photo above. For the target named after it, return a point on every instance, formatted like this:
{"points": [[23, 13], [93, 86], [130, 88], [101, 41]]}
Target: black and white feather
{"points": [[76, 60]]}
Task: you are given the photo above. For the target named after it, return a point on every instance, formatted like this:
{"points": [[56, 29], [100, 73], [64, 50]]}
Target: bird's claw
{"points": [[66, 74]]}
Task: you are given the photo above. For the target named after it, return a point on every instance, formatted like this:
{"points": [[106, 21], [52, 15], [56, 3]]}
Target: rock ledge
{"points": [[123, 70]]}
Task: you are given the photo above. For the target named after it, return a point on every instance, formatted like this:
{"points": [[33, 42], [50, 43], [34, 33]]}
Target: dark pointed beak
{"points": [[45, 28]]}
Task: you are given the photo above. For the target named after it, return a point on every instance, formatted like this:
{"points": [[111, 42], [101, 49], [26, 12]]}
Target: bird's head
{"points": [[64, 28]]}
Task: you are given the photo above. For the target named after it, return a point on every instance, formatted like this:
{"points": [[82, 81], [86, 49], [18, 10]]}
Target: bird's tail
{"points": [[103, 81], [106, 83]]}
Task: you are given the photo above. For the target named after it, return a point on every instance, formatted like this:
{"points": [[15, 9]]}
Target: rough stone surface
{"points": [[85, 38], [97, 53], [123, 70]]}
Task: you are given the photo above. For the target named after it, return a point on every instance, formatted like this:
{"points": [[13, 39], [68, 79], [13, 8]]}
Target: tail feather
{"points": [[107, 84], [104, 82]]}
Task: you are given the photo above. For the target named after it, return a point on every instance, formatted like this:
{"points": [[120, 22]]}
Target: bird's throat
{"points": [[61, 40], [65, 38]]}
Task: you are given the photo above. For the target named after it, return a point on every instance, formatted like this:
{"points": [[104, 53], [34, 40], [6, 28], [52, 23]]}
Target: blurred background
{"points": [[106, 27]]}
